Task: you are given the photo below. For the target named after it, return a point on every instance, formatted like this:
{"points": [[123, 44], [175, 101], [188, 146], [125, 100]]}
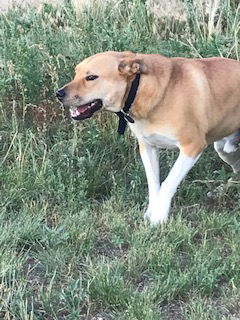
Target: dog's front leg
{"points": [[168, 188], [150, 159]]}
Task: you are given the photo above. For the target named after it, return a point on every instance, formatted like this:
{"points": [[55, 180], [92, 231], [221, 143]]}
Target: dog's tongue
{"points": [[76, 112]]}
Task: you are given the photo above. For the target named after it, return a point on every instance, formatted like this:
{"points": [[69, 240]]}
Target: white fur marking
{"points": [[229, 143], [228, 147], [150, 159], [161, 204], [161, 139]]}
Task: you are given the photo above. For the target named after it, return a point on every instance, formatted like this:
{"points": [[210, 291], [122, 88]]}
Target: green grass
{"points": [[73, 243]]}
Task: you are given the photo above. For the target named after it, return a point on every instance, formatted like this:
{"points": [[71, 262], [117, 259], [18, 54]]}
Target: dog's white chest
{"points": [[161, 141], [161, 138]]}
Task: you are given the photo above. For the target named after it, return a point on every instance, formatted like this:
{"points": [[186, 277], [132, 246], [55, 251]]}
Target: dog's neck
{"points": [[141, 107]]}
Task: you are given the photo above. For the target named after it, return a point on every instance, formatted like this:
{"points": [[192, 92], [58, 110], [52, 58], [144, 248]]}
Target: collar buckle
{"points": [[123, 114], [127, 116]]}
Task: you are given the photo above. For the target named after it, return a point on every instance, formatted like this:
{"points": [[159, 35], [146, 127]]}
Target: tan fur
{"points": [[184, 103], [196, 100]]}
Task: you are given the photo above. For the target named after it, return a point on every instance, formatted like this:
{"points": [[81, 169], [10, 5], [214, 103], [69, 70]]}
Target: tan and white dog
{"points": [[183, 103]]}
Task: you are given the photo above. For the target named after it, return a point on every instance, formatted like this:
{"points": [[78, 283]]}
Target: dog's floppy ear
{"points": [[131, 66]]}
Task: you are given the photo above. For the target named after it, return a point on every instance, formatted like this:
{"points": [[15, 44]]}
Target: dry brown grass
{"points": [[78, 4], [6, 4], [165, 12]]}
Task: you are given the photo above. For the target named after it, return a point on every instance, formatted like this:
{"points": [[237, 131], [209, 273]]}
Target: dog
{"points": [[176, 103]]}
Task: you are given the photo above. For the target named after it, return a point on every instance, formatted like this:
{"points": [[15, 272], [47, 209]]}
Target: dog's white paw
{"points": [[147, 214], [156, 217], [159, 218], [157, 212]]}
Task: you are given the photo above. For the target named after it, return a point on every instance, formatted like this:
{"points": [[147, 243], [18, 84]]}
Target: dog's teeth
{"points": [[73, 113]]}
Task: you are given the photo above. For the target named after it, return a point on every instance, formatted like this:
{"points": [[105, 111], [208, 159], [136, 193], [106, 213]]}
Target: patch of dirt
{"points": [[34, 273], [173, 311]]}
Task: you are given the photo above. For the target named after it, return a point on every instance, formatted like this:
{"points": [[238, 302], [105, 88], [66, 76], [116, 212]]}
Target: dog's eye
{"points": [[91, 77]]}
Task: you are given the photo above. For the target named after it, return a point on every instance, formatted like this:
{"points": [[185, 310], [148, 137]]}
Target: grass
{"points": [[73, 243]]}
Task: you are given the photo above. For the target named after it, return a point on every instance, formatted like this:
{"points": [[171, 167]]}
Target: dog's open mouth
{"points": [[86, 110]]}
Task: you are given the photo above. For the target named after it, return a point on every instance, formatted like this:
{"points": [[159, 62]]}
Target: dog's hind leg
{"points": [[188, 156], [228, 150]]}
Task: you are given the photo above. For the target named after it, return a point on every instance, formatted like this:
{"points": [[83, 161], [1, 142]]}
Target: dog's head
{"points": [[101, 82]]}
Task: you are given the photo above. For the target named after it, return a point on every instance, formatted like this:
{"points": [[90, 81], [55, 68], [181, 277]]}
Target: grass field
{"points": [[73, 243]]}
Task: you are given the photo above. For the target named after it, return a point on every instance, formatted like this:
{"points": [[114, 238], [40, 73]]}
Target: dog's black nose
{"points": [[60, 93]]}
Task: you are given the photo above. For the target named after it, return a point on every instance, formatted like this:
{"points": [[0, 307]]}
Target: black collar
{"points": [[123, 114]]}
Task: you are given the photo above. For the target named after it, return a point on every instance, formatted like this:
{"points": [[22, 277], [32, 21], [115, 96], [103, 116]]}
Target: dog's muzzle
{"points": [[85, 111]]}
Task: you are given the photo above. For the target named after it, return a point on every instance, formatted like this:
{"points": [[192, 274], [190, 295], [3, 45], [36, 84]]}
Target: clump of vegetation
{"points": [[73, 241]]}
